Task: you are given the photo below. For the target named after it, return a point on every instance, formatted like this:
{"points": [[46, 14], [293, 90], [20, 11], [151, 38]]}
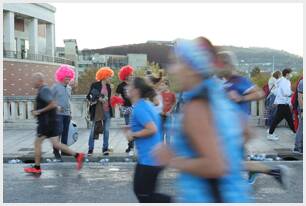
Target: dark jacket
{"points": [[92, 108]]}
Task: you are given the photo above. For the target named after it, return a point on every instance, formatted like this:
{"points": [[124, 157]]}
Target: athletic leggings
{"points": [[145, 179], [283, 111]]}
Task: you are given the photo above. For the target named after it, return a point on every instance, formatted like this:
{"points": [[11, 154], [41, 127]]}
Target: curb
{"points": [[30, 159]]}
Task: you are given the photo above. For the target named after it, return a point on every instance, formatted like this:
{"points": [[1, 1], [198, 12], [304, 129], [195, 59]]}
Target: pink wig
{"points": [[104, 73], [64, 71], [125, 71]]}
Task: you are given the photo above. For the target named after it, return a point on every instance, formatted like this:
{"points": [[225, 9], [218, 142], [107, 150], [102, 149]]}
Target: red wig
{"points": [[104, 73], [116, 100], [125, 71]]}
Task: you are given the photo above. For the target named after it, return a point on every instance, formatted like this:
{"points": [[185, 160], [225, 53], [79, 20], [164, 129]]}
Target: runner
{"points": [[146, 132], [242, 91], [47, 124], [208, 135]]}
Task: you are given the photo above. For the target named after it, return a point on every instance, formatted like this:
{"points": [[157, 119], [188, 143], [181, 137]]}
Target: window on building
{"points": [[19, 24], [42, 30]]}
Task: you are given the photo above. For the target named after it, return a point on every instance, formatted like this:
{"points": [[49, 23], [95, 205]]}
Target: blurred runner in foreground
{"points": [[208, 135]]}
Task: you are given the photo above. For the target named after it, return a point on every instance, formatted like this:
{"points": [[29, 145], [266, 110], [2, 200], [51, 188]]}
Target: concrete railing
{"points": [[17, 112]]}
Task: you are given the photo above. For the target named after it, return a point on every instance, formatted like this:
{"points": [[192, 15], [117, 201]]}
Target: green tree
{"points": [[255, 71], [295, 77], [85, 79], [260, 79]]}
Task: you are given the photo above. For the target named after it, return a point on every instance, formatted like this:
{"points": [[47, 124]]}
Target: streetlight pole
{"points": [[273, 63]]}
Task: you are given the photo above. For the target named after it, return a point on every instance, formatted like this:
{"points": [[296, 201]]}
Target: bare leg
{"points": [[257, 167], [37, 148], [58, 145]]}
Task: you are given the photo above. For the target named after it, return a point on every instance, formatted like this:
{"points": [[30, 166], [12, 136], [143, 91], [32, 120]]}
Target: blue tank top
{"points": [[232, 187]]}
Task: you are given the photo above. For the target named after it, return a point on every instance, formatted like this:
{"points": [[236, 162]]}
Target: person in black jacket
{"points": [[125, 74], [100, 109]]}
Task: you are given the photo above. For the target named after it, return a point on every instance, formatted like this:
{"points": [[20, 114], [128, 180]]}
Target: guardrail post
{"points": [[13, 110], [22, 110], [6, 111], [30, 107], [117, 112]]}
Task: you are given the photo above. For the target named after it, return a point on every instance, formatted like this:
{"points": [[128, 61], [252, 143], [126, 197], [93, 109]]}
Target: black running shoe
{"points": [[90, 152]]}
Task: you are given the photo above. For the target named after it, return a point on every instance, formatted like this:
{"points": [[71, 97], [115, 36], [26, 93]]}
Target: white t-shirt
{"points": [[283, 92], [159, 107], [273, 85]]}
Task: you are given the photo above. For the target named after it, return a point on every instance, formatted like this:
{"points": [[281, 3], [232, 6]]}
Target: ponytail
{"points": [[146, 91]]}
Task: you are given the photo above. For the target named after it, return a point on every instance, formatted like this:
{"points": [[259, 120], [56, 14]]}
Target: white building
{"points": [[137, 60], [28, 28]]}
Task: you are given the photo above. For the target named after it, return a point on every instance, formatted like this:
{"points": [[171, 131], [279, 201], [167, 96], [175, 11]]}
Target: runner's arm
{"points": [[50, 106], [201, 133], [255, 93]]}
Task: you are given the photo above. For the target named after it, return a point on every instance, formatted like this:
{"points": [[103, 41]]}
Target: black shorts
{"points": [[48, 128]]}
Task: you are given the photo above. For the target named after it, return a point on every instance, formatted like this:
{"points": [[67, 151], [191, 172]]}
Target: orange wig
{"points": [[104, 73]]}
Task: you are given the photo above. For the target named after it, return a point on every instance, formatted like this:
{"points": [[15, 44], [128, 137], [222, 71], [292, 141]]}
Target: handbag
{"points": [[72, 133], [98, 129]]}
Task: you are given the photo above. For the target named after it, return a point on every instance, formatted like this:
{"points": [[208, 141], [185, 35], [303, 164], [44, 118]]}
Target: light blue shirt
{"points": [[143, 113]]}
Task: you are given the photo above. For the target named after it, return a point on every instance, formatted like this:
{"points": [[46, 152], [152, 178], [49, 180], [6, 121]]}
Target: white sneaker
{"points": [[272, 137], [131, 153]]}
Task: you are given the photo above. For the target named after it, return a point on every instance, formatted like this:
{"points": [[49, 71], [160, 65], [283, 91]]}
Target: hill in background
{"points": [[248, 58]]}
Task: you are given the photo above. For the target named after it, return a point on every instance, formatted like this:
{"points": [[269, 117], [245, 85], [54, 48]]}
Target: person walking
{"points": [[47, 128], [282, 100], [100, 110], [208, 138], [298, 145], [169, 100], [269, 102], [125, 74], [145, 131], [62, 96]]}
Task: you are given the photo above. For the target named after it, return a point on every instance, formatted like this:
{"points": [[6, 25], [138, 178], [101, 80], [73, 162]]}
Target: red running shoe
{"points": [[32, 170], [80, 160]]}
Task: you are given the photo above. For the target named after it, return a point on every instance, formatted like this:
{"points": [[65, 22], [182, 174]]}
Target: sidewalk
{"points": [[19, 143]]}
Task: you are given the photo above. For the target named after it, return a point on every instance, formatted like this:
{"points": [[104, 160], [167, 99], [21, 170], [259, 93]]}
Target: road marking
{"points": [[50, 186]]}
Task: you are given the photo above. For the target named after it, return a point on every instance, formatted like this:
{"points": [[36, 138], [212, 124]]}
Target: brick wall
{"points": [[17, 77]]}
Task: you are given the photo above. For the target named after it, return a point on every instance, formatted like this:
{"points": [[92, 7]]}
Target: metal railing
{"points": [[36, 57]]}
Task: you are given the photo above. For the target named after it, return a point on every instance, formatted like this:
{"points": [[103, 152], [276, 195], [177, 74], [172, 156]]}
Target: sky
{"points": [[99, 25]]}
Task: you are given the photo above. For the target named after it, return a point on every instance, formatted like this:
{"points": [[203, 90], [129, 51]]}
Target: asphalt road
{"points": [[112, 182]]}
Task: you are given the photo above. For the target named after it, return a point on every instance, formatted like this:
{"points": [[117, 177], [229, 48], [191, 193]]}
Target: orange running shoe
{"points": [[80, 160], [32, 170]]}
